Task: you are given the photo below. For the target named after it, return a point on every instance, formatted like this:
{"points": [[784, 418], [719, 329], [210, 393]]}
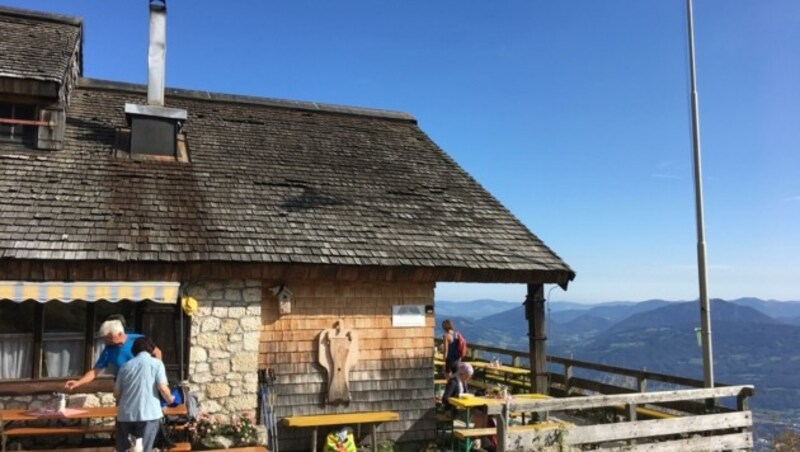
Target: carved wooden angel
{"points": [[338, 353]]}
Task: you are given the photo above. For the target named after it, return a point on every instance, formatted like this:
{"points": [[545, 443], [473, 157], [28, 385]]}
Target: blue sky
{"points": [[574, 114]]}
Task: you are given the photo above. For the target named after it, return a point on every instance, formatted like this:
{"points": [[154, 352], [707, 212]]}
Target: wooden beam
{"points": [[600, 401], [29, 387], [600, 433], [37, 270], [731, 441]]}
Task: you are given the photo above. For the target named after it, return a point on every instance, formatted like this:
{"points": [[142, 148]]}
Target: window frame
{"points": [[15, 121]]}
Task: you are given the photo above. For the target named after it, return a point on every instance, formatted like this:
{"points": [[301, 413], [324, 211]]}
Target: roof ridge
{"points": [[50, 17], [253, 100]]}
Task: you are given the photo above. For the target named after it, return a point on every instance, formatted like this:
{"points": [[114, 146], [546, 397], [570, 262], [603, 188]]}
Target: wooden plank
{"points": [[65, 430], [581, 386], [599, 401], [240, 449], [731, 441], [592, 434], [77, 449], [462, 433], [339, 419], [691, 382]]}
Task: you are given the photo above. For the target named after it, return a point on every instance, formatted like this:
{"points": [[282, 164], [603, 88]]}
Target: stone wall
{"points": [[223, 359]]}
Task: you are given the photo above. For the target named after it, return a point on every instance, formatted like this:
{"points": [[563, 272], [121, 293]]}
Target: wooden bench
{"points": [[241, 449], [179, 447], [53, 430], [482, 385], [468, 434], [325, 420]]}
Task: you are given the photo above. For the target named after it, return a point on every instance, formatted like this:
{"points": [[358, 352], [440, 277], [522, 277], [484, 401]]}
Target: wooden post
{"points": [[501, 421], [567, 379], [642, 381], [630, 411], [534, 313]]}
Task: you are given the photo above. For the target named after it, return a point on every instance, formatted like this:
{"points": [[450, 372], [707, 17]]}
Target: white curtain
{"points": [[16, 351], [99, 345], [63, 354]]}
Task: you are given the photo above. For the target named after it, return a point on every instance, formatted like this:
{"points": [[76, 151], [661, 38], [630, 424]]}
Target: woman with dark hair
{"points": [[450, 348], [138, 384]]}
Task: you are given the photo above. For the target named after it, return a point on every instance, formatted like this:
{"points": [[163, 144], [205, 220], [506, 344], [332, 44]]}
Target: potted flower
{"points": [[216, 433]]}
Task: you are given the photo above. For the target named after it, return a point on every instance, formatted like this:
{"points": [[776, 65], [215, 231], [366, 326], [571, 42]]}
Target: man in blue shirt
{"points": [[117, 352], [138, 384]]}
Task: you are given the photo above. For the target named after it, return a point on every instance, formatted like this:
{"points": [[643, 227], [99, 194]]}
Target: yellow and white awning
{"points": [[159, 292]]}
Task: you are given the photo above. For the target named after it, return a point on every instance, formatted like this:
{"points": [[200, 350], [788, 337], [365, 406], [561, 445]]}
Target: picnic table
{"points": [[468, 402], [373, 418], [506, 372], [14, 422]]}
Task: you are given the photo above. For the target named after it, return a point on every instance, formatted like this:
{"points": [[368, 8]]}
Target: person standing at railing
{"points": [[451, 348]]}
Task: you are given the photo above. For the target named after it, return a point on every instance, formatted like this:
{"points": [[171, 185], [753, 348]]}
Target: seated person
{"points": [[457, 384], [481, 419]]}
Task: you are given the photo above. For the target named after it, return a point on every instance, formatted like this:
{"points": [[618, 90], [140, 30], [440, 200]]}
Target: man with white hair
{"points": [[457, 384], [117, 352]]}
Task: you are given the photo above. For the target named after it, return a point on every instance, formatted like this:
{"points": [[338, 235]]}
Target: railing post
{"points": [[630, 411], [567, 379], [743, 401], [642, 382], [501, 421]]}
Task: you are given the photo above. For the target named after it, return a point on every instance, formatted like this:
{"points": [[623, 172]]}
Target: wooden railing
{"points": [[708, 431], [564, 382], [619, 409]]}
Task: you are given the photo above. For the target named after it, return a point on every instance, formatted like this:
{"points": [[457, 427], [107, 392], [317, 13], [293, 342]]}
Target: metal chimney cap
{"points": [[156, 110], [158, 5]]}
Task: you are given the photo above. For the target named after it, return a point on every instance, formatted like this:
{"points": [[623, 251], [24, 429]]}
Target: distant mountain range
{"points": [[755, 341]]}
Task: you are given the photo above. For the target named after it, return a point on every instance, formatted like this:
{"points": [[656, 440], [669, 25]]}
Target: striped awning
{"points": [[19, 291]]}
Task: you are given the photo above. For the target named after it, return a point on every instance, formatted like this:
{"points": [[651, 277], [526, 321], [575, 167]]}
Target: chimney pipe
{"points": [[157, 52]]}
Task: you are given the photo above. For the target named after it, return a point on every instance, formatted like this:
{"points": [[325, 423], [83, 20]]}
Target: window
{"points": [[49, 340], [16, 339], [63, 339], [18, 123]]}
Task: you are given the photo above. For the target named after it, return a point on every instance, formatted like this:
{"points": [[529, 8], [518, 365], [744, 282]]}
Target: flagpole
{"points": [[705, 308]]}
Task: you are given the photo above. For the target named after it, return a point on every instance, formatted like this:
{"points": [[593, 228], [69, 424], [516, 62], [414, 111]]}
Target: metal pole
{"points": [[705, 308]]}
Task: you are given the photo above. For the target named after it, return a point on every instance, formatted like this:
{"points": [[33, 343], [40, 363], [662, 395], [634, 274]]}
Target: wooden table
{"points": [[467, 403], [24, 415], [507, 372], [326, 420]]}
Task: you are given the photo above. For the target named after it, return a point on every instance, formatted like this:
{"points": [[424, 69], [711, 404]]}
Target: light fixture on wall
{"points": [[285, 297]]}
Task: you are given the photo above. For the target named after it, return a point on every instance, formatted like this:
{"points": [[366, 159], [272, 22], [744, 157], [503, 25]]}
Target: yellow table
{"points": [[322, 420], [507, 372], [467, 403]]}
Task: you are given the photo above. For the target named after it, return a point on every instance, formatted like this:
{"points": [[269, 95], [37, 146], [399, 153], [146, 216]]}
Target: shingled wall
{"points": [[395, 367]]}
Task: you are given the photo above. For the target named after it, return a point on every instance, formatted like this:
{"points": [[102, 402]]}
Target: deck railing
{"points": [[617, 406]]}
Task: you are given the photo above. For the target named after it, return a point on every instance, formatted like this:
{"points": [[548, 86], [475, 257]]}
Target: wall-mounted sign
{"points": [[408, 315]]}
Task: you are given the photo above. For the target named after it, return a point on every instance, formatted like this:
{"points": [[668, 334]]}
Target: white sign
{"points": [[408, 315]]}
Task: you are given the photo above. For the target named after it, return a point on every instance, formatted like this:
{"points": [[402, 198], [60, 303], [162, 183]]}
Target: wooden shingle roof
{"points": [[36, 45], [269, 182]]}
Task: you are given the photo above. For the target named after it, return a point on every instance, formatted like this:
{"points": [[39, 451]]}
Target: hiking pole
{"points": [[271, 400]]}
